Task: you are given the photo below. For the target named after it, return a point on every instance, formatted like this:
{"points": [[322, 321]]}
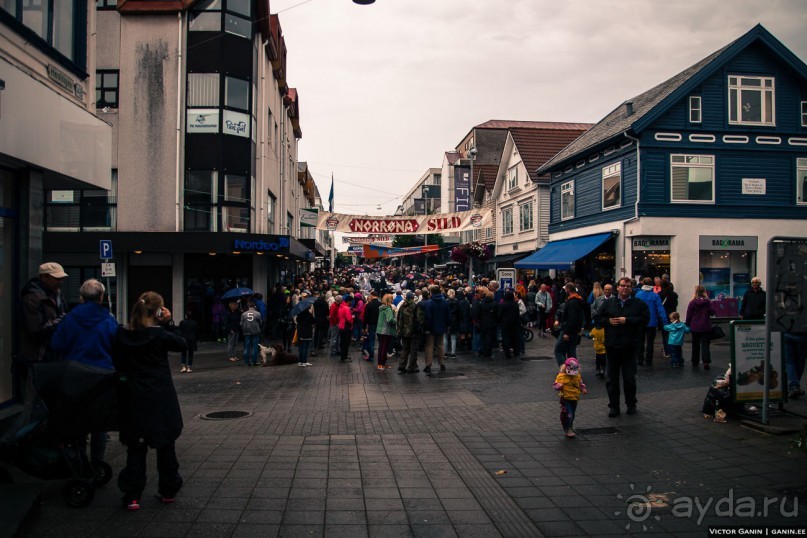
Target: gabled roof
{"points": [[648, 106], [485, 175], [537, 146], [513, 124]]}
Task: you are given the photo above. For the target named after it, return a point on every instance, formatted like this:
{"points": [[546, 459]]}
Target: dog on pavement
{"points": [[276, 356]]}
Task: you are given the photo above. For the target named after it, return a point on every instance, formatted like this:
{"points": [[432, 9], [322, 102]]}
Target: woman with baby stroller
{"points": [[150, 412]]}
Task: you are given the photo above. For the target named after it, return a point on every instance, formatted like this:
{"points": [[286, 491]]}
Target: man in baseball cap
{"points": [[52, 269], [43, 307]]}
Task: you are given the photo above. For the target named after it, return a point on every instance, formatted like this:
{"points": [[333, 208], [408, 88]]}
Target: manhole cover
{"points": [[539, 358], [598, 431], [225, 415], [443, 375]]}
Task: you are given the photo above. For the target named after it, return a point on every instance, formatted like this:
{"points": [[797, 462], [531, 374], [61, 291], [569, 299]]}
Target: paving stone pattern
{"points": [[347, 450]]}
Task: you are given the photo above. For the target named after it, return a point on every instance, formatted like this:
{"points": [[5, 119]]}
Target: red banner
{"points": [[378, 251]]}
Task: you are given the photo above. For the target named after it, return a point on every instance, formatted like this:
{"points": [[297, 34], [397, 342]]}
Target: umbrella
{"points": [[237, 293], [304, 304]]}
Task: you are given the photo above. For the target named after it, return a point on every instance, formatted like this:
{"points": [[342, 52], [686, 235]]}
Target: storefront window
{"points": [[7, 215], [651, 256], [727, 265]]}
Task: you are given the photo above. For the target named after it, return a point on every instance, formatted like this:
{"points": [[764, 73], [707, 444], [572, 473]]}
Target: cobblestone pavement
{"points": [[347, 450]]}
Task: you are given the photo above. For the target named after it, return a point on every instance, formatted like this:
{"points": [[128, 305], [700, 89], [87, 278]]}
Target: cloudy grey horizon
{"points": [[386, 89]]}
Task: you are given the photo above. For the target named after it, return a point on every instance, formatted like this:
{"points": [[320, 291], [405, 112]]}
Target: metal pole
{"points": [[473, 190]]}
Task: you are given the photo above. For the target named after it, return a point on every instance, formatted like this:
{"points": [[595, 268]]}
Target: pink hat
{"points": [[572, 366]]}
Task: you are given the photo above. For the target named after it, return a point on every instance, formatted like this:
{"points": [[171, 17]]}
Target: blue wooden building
{"points": [[690, 178]]}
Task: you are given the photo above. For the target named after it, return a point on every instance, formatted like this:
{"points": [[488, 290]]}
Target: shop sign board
{"points": [[650, 243], [309, 217], [748, 363], [203, 120], [236, 123], [724, 242], [282, 243]]}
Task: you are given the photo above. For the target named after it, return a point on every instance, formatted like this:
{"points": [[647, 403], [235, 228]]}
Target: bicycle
{"points": [[528, 334]]}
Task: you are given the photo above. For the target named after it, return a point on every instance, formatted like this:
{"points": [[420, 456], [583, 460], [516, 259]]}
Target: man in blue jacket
{"points": [[438, 320], [86, 335], [658, 318]]}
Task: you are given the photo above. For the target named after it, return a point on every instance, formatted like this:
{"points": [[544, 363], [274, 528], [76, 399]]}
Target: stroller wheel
{"points": [[5, 477], [78, 493], [103, 473]]}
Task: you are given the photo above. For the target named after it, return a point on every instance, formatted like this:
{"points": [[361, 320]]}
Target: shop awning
{"points": [[504, 258], [562, 254]]}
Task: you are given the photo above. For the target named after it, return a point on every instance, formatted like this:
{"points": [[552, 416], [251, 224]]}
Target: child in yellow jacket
{"points": [[570, 384], [598, 336]]}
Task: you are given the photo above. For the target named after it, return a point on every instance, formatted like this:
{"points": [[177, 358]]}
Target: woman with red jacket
{"points": [[344, 318]]}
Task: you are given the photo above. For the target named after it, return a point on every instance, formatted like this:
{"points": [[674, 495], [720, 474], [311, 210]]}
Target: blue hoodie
{"points": [[86, 335], [658, 316], [438, 314]]}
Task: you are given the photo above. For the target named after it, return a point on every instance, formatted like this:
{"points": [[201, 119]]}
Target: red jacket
{"points": [[333, 312], [345, 317]]}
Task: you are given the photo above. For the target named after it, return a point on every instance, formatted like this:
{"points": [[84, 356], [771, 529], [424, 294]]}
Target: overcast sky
{"points": [[386, 89]]}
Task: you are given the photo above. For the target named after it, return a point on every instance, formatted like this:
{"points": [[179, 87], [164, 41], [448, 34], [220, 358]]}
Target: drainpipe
{"points": [[177, 207], [638, 197], [264, 224], [282, 181]]}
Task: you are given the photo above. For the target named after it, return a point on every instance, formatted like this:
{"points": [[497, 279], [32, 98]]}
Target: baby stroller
{"points": [[47, 441]]}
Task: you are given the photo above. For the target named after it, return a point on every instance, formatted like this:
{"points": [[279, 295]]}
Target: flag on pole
{"points": [[330, 197]]}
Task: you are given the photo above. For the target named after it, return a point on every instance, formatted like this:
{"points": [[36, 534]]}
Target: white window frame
{"points": [[512, 178], [507, 218], [567, 190], [804, 113], [695, 109], [526, 217], [801, 181], [691, 161], [738, 85], [609, 173]]}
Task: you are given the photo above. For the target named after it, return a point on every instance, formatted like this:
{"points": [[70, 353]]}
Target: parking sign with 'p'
{"points": [[106, 249]]}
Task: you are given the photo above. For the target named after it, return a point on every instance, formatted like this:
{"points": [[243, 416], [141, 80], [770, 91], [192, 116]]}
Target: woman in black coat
{"points": [[488, 314], [150, 413], [510, 324], [669, 300], [464, 326]]}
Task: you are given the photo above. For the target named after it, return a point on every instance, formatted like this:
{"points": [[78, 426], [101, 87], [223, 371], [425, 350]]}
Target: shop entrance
{"points": [[144, 278], [207, 278]]}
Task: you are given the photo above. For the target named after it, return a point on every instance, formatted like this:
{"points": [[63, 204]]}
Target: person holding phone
{"points": [[150, 412]]}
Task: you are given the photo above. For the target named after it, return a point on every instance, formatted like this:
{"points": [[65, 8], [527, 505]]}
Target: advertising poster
{"points": [[717, 281], [742, 283], [748, 363]]}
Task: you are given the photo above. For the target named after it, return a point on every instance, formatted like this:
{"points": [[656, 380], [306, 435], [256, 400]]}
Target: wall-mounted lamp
{"points": [[259, 253], [138, 252], [236, 252], [211, 253], [615, 231]]}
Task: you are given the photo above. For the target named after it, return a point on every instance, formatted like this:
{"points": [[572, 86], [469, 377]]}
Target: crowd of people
{"points": [[386, 312]]}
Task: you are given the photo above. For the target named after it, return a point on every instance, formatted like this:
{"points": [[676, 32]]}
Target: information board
{"points": [[748, 363]]}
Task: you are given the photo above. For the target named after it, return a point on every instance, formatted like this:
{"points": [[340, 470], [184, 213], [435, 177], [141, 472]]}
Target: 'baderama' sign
{"points": [[282, 243]]}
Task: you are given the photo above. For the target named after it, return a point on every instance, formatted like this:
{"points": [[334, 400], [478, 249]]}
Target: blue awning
{"points": [[562, 254]]}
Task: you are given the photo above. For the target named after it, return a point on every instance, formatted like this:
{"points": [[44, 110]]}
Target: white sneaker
{"points": [[307, 364], [184, 369], [188, 370], [301, 364]]}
